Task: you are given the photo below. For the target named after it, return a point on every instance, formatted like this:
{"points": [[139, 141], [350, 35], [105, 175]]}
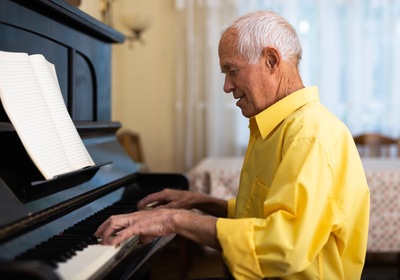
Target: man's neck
{"points": [[290, 81]]}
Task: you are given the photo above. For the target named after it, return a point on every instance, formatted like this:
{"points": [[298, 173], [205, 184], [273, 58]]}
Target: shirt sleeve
{"points": [[299, 215]]}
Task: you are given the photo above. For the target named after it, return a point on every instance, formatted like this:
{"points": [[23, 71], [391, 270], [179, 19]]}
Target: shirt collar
{"points": [[268, 119]]}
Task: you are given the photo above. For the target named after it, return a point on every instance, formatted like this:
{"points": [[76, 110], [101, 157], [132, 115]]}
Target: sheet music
{"points": [[32, 100]]}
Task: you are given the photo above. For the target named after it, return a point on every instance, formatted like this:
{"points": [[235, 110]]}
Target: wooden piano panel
{"points": [[84, 88]]}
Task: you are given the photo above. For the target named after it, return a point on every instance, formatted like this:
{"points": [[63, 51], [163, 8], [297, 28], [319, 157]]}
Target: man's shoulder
{"points": [[315, 120]]}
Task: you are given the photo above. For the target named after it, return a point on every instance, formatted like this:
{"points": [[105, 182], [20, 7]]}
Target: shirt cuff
{"points": [[236, 237]]}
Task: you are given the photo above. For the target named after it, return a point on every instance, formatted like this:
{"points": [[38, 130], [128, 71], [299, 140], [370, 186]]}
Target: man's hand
{"points": [[177, 199], [169, 198], [146, 224]]}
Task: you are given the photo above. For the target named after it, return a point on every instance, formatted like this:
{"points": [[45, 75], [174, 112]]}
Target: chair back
{"points": [[377, 145], [132, 145]]}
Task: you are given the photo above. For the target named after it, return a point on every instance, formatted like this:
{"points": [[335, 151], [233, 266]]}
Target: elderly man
{"points": [[302, 208]]}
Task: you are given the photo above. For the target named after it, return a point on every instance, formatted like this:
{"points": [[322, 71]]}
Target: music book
{"points": [[32, 99]]}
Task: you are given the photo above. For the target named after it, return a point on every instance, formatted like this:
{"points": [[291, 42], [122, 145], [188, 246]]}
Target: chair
{"points": [[377, 145], [132, 145]]}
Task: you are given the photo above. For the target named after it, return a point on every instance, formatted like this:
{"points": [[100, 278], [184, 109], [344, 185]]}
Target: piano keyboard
{"points": [[75, 253]]}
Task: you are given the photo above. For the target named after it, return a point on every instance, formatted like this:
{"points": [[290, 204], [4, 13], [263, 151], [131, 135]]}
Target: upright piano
{"points": [[47, 226]]}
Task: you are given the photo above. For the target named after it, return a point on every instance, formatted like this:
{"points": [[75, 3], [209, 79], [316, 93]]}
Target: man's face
{"points": [[253, 85]]}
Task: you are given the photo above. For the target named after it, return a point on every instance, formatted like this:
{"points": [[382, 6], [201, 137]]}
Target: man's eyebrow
{"points": [[226, 67]]}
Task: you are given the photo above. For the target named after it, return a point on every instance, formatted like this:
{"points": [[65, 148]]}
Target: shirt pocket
{"points": [[255, 201]]}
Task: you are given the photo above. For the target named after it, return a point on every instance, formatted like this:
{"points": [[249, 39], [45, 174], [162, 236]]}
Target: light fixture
{"points": [[135, 23]]}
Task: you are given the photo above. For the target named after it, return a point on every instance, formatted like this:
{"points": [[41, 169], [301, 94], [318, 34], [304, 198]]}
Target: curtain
{"points": [[205, 115], [351, 51]]}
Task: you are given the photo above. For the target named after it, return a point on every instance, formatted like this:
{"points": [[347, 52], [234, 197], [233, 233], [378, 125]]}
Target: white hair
{"points": [[262, 29]]}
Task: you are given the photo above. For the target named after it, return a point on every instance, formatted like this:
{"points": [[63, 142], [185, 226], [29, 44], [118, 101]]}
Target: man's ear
{"points": [[272, 57]]}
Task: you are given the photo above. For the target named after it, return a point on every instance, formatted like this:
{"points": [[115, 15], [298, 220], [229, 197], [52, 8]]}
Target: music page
{"points": [[32, 99]]}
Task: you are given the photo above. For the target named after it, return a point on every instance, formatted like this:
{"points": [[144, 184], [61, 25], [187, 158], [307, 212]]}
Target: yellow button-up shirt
{"points": [[302, 209]]}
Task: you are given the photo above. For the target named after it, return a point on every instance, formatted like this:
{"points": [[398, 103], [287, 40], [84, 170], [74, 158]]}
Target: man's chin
{"points": [[245, 113]]}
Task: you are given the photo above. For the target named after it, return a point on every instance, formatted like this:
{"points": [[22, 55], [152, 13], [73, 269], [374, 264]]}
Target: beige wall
{"points": [[144, 79]]}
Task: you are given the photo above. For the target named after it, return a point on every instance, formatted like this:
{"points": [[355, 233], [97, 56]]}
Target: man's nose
{"points": [[228, 85]]}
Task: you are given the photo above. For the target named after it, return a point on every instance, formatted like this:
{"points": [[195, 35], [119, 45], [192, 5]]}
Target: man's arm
{"points": [[197, 227]]}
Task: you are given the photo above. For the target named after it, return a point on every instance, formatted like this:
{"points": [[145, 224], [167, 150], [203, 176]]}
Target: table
{"points": [[219, 177]]}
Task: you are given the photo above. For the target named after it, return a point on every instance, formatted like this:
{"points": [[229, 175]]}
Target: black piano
{"points": [[48, 224]]}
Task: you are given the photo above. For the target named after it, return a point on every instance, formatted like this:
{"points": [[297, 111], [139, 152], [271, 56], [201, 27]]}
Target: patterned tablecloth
{"points": [[220, 178]]}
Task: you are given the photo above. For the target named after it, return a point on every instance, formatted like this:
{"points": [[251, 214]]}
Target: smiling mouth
{"points": [[238, 97], [238, 100]]}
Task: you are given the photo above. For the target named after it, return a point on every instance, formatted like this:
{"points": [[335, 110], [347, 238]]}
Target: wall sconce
{"points": [[135, 23]]}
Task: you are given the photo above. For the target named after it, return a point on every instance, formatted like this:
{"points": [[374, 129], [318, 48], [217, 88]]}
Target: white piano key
{"points": [[88, 263]]}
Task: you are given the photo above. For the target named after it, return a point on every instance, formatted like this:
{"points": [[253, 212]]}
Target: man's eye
{"points": [[233, 71]]}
